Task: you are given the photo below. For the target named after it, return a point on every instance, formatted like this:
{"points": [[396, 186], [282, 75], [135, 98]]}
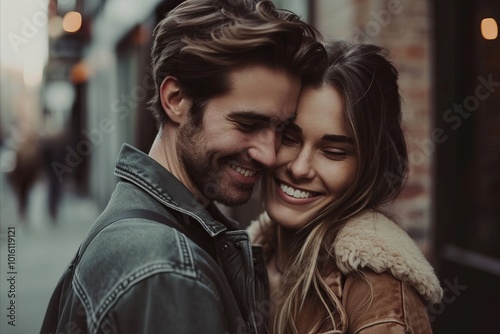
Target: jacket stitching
{"points": [[105, 318], [185, 251], [215, 228], [406, 307], [128, 172], [83, 296], [122, 286], [185, 267], [379, 322]]}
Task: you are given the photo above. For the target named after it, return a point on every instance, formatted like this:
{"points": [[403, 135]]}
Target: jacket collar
{"points": [[373, 241], [146, 173]]}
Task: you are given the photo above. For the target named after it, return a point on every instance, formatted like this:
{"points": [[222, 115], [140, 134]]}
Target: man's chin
{"points": [[230, 199]]}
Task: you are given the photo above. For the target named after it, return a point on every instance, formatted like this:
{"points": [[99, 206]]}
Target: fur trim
{"points": [[260, 229], [374, 241]]}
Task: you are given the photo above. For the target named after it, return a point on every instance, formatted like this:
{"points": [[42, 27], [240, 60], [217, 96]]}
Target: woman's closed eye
{"points": [[335, 154]]}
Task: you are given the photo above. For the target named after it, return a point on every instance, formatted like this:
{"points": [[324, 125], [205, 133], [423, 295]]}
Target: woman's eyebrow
{"points": [[326, 137], [338, 139]]}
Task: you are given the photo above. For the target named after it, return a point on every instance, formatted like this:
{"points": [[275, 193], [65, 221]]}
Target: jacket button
{"points": [[238, 245], [225, 247]]}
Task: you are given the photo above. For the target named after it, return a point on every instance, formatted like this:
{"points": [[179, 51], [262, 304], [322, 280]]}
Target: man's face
{"points": [[241, 130]]}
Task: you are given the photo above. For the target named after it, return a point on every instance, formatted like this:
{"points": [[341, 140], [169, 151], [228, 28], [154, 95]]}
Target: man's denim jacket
{"points": [[139, 276]]}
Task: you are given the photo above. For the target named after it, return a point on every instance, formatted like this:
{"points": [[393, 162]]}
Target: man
{"points": [[228, 75]]}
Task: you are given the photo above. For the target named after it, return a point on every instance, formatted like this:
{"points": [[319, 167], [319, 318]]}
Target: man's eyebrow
{"points": [[338, 139], [247, 114], [293, 127], [291, 119]]}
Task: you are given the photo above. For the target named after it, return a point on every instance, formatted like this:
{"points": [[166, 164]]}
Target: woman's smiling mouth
{"points": [[294, 192]]}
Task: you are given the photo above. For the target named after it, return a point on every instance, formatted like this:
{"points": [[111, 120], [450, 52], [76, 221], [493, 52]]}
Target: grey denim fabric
{"points": [[139, 276]]}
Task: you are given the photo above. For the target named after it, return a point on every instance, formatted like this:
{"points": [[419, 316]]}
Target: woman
{"points": [[336, 264]]}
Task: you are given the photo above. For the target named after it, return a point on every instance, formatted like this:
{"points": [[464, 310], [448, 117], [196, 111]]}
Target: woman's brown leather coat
{"points": [[380, 277]]}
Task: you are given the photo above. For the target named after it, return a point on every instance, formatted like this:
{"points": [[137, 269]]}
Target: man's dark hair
{"points": [[200, 41]]}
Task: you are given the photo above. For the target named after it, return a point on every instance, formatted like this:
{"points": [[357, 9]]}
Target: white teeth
{"points": [[294, 192], [242, 171]]}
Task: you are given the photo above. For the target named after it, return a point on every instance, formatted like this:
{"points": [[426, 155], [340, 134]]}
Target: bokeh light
{"points": [[72, 22], [489, 28]]}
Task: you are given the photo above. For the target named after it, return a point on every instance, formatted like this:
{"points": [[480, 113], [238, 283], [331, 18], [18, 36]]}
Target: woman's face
{"points": [[316, 161]]}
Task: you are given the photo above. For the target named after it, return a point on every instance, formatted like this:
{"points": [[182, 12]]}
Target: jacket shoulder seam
{"points": [[185, 268], [379, 322], [97, 313]]}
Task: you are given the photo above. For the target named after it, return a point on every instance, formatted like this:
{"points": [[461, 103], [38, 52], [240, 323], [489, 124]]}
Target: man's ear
{"points": [[174, 102]]}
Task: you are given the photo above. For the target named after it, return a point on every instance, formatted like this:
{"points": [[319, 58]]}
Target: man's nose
{"points": [[263, 148]]}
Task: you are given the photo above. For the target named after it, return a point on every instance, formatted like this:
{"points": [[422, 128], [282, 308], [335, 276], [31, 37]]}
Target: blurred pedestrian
{"points": [[26, 169], [53, 140]]}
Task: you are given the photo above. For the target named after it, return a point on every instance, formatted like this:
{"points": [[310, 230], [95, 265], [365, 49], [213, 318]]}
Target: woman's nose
{"points": [[301, 167]]}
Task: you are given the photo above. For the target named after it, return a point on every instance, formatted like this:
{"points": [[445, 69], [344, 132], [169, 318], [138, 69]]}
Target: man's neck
{"points": [[164, 152]]}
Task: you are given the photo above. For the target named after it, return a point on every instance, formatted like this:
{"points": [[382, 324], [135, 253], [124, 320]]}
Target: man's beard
{"points": [[206, 171]]}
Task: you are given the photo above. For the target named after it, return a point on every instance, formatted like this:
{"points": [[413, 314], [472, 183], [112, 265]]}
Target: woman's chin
{"points": [[286, 217]]}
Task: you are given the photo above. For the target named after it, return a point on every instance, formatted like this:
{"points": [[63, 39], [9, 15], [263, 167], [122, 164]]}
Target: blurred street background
{"points": [[43, 250], [75, 81]]}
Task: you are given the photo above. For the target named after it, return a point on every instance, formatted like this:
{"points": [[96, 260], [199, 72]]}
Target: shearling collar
{"points": [[371, 240], [374, 241]]}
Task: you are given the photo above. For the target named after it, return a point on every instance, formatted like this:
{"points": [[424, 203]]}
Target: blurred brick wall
{"points": [[404, 28]]}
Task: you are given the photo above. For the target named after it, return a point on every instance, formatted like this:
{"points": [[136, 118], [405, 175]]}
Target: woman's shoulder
{"points": [[384, 304], [372, 240], [261, 229]]}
